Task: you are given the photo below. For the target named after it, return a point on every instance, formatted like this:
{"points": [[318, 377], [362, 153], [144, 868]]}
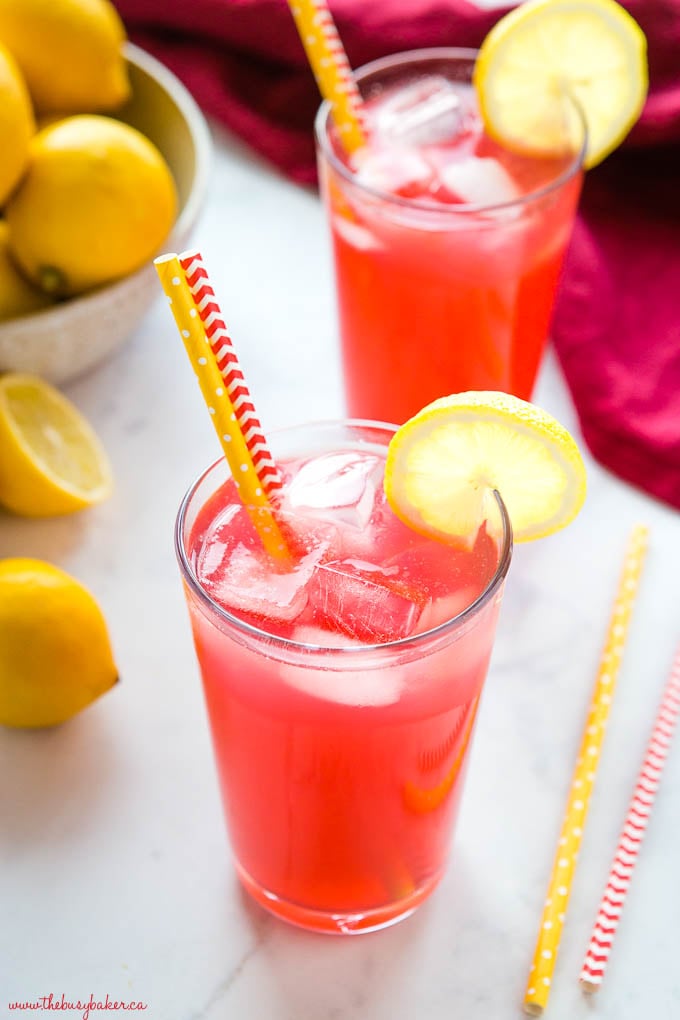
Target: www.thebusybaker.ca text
{"points": [[82, 1006]]}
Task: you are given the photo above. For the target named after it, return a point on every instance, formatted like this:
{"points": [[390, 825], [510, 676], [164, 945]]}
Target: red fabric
{"points": [[617, 321]]}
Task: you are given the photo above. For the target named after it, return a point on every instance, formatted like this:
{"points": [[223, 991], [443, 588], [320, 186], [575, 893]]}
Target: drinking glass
{"points": [[341, 764], [436, 295]]}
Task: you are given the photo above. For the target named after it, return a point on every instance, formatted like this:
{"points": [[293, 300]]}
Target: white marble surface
{"points": [[115, 873]]}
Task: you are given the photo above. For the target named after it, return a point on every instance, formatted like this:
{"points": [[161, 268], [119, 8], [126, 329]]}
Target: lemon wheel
{"points": [[590, 50], [444, 464]]}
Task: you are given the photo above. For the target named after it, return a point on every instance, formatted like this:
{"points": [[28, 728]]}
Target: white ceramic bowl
{"points": [[62, 342]]}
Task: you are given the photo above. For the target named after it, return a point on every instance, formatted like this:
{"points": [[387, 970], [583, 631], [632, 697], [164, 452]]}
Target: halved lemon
{"points": [[591, 50], [444, 464], [51, 461]]}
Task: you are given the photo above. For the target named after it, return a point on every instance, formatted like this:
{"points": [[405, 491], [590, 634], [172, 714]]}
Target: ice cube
{"points": [[364, 601], [214, 549], [306, 529], [445, 608], [310, 634], [231, 525], [245, 581], [340, 487], [479, 181], [360, 688], [395, 169], [443, 568], [435, 566], [356, 235], [426, 112]]}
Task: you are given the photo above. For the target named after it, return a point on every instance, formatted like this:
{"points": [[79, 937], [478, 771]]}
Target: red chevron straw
{"points": [[216, 331], [632, 834]]}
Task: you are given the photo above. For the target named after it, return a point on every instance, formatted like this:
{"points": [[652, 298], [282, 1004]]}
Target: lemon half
{"points": [[444, 464], [591, 50], [51, 461]]}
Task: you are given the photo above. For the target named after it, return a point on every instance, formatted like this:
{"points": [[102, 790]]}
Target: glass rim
{"points": [[341, 653], [453, 53]]}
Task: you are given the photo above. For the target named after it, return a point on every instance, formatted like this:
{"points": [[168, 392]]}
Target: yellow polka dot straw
{"points": [[552, 921], [219, 404], [329, 63]]}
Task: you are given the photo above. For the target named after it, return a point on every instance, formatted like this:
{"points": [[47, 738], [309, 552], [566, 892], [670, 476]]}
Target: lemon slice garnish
{"points": [[444, 464], [51, 461], [590, 50]]}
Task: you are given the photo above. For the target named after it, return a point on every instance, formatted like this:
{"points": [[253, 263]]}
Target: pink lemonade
{"points": [[342, 688], [447, 247]]}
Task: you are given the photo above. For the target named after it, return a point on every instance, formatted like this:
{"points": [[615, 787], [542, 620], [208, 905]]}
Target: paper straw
{"points": [[219, 405], [632, 834], [203, 294], [333, 74], [554, 912]]}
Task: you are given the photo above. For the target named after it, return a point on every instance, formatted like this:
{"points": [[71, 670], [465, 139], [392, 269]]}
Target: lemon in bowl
{"points": [[17, 123], [95, 204], [75, 334]]}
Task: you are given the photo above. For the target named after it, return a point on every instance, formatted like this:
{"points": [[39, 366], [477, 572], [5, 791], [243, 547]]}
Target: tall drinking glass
{"points": [[447, 246], [342, 692]]}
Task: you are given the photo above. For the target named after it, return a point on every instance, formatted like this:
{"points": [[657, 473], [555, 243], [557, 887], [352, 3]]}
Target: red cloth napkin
{"points": [[617, 322]]}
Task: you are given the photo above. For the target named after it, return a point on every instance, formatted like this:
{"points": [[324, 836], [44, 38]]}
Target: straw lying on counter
{"points": [[552, 920], [237, 449], [333, 74], [633, 832]]}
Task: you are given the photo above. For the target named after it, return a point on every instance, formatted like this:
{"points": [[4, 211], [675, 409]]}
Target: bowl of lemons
{"points": [[105, 164]]}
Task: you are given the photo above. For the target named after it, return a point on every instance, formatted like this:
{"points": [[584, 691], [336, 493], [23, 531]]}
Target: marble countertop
{"points": [[115, 875]]}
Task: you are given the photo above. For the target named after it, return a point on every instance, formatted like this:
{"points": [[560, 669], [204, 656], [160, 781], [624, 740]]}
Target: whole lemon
{"points": [[55, 653], [17, 124], [70, 52], [96, 203], [17, 295]]}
